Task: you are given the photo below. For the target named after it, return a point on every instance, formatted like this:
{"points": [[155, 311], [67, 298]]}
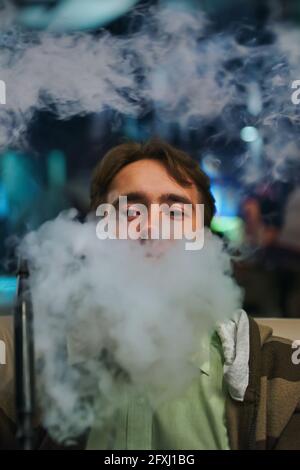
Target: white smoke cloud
{"points": [[171, 63], [146, 317]]}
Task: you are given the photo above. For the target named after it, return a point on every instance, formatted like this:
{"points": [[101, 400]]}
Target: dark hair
{"points": [[184, 169]]}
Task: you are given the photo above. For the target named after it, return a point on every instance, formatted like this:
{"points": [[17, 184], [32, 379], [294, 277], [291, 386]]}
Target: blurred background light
{"points": [[230, 227], [56, 166], [249, 134], [226, 197], [8, 288], [68, 15], [211, 165], [254, 104], [3, 202]]}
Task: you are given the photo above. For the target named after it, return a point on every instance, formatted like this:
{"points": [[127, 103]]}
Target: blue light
{"points": [[227, 199], [56, 166], [19, 177], [216, 192], [249, 134], [71, 15], [211, 165], [3, 202], [8, 290]]}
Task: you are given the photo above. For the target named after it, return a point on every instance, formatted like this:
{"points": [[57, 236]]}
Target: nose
{"points": [[150, 226]]}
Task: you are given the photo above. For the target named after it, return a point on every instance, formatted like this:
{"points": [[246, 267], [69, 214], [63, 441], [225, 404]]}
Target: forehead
{"points": [[152, 178]]}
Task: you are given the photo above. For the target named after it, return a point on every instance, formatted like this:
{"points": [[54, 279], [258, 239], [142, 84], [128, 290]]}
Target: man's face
{"points": [[148, 182]]}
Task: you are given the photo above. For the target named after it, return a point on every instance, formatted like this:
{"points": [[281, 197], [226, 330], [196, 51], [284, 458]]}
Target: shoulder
{"points": [[279, 356]]}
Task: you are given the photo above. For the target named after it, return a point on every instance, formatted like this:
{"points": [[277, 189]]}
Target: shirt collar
{"points": [[231, 338]]}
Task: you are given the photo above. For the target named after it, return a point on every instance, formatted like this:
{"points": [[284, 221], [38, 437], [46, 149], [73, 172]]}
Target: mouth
{"points": [[155, 249]]}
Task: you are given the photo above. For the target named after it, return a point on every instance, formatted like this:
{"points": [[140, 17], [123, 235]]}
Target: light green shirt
{"points": [[195, 420]]}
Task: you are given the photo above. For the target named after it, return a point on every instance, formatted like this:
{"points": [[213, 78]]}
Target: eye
{"points": [[132, 213], [177, 213]]}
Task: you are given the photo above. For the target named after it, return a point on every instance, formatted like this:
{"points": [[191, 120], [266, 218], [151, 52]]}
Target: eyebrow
{"points": [[139, 197], [134, 196], [173, 197]]}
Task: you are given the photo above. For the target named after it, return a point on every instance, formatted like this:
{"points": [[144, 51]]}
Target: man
{"points": [[248, 396]]}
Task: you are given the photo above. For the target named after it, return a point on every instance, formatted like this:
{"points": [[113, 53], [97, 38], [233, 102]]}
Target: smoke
{"points": [[173, 63], [95, 337], [163, 63], [109, 317]]}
